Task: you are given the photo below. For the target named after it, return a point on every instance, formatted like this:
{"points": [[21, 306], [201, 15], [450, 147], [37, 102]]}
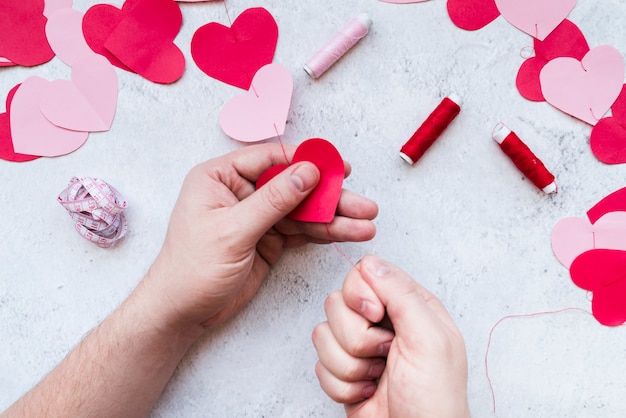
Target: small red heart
{"points": [[140, 37], [234, 55], [527, 80], [23, 39], [608, 136], [321, 204], [604, 273], [6, 142], [472, 14]]}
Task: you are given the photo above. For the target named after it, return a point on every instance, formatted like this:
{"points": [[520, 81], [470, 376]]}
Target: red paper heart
{"points": [[234, 55], [6, 142], [615, 202], [140, 37], [321, 204], [604, 273], [608, 137], [23, 39], [472, 14], [527, 80]]}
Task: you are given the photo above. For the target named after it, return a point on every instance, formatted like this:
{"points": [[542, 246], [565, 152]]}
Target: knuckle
{"points": [[332, 300], [318, 333]]}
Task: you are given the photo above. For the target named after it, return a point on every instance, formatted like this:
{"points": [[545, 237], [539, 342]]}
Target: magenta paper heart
{"points": [[32, 132], [6, 141], [584, 89], [527, 80], [321, 204], [535, 17], [573, 236], [603, 272], [615, 202], [608, 137], [472, 14], [261, 113]]}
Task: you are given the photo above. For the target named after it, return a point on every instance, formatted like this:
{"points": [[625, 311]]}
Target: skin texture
{"points": [[390, 348], [223, 238]]}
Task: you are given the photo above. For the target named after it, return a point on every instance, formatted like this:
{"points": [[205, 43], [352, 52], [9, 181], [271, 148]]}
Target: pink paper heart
{"points": [[321, 204], [472, 14], [32, 132], [53, 6], [603, 273], [535, 17], [87, 102], [584, 89], [573, 236], [261, 113], [65, 34]]}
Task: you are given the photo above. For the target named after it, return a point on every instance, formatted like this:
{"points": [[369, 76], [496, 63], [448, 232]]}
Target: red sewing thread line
{"points": [[430, 130], [526, 161], [332, 241], [531, 315]]}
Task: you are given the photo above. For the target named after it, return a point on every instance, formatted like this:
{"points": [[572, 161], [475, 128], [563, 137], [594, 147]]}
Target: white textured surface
{"points": [[462, 221]]}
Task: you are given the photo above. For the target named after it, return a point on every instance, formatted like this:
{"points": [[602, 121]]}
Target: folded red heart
{"points": [[234, 55], [321, 204], [23, 39], [7, 152], [139, 37]]}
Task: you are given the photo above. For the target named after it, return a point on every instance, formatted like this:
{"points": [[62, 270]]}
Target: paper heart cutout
{"points": [[565, 41], [23, 39], [608, 141], [261, 113], [139, 37], [321, 204], [87, 102], [584, 89], [65, 34], [6, 141], [574, 236], [535, 17], [234, 55], [32, 132], [472, 14], [53, 6], [615, 202], [603, 272]]}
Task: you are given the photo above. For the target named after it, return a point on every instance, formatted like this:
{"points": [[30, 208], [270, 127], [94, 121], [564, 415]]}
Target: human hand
{"points": [[418, 370], [224, 236]]}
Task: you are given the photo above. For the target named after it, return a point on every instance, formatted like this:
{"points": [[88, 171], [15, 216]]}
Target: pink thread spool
{"points": [[352, 33]]}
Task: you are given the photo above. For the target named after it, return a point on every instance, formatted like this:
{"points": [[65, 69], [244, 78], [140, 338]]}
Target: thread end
{"points": [[500, 132], [551, 188], [406, 158], [456, 99], [309, 71], [365, 19]]}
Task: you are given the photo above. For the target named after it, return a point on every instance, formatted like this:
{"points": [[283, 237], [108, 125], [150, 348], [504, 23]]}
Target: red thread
{"points": [[531, 315], [332, 241], [525, 160], [430, 130]]}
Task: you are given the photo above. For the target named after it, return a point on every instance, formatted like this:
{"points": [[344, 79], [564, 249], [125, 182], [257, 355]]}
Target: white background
{"points": [[463, 221]]}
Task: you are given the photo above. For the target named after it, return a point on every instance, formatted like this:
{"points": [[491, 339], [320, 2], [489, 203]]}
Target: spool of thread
{"points": [[337, 47], [524, 159], [431, 129]]}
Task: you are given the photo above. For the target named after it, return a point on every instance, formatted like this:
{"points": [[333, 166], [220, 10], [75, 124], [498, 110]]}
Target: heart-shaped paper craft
{"points": [[65, 34], [574, 236], [6, 141], [472, 14], [32, 132], [234, 55], [535, 17], [566, 40], [615, 202], [608, 137], [261, 113], [584, 89], [604, 273], [53, 6], [23, 39], [98, 24], [321, 204]]}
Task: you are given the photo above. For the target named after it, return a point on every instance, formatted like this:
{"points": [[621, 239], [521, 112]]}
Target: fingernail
{"points": [[304, 177], [383, 349], [367, 308], [378, 267], [376, 369], [368, 391]]}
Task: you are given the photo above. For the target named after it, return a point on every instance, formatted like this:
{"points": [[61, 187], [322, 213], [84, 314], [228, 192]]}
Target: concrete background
{"points": [[463, 221]]}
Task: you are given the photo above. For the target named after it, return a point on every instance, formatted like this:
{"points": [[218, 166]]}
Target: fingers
{"points": [[265, 207], [251, 161], [341, 391]]}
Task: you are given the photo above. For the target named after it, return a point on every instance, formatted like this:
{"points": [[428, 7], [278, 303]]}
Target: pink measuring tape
{"points": [[97, 210]]}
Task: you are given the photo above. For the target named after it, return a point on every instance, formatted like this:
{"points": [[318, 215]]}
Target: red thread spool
{"points": [[524, 159], [431, 129]]}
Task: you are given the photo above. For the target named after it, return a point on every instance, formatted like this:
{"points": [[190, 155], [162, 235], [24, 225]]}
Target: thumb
{"points": [[413, 310], [281, 195]]}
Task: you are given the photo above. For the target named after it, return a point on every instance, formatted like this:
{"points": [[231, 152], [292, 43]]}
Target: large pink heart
{"points": [[321, 204], [604, 273], [472, 14], [584, 89], [535, 17], [32, 132], [261, 113], [573, 236]]}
